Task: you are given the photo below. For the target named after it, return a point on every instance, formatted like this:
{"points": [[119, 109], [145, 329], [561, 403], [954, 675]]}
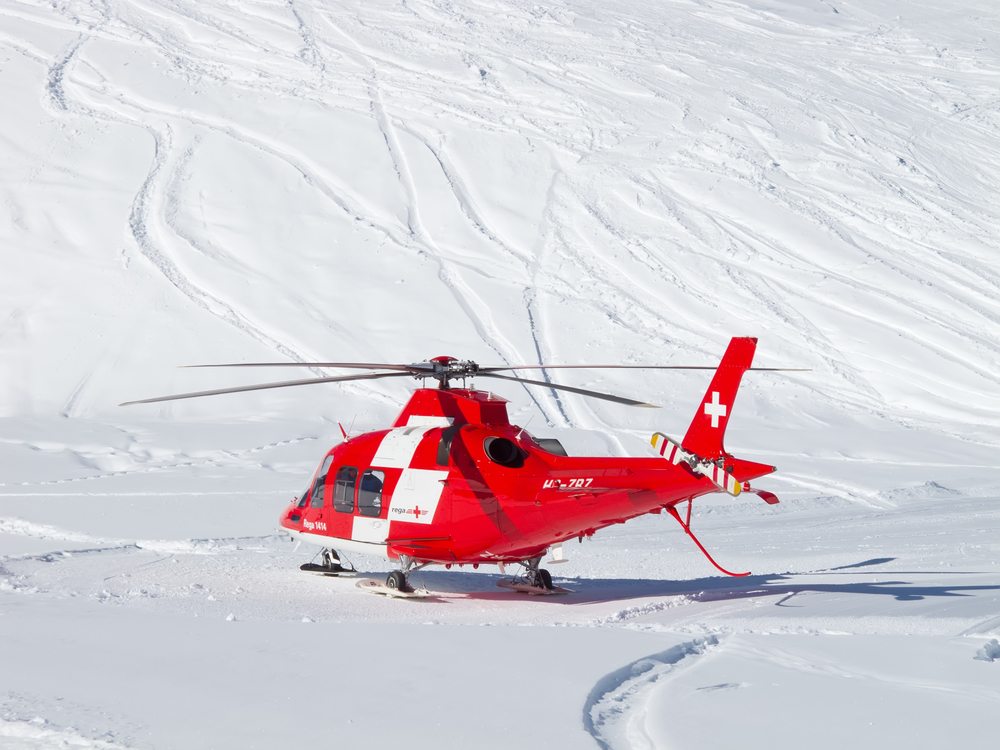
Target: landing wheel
{"points": [[537, 577], [396, 581], [545, 579]]}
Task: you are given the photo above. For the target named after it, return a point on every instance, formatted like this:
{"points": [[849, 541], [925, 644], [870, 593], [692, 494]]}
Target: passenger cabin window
{"points": [[320, 483], [343, 489], [370, 493]]}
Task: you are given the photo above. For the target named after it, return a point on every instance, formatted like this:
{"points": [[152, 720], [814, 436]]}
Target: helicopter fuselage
{"points": [[453, 481]]}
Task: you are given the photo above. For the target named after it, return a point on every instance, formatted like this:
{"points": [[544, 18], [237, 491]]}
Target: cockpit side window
{"points": [[370, 493], [317, 491], [343, 489]]}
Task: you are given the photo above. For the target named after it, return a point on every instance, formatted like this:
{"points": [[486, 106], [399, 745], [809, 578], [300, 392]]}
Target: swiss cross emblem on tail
{"points": [[715, 409]]}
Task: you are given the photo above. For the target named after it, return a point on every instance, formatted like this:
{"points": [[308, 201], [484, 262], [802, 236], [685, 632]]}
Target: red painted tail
{"points": [[704, 436]]}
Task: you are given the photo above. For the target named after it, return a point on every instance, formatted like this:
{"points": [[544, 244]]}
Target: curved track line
{"points": [[464, 295], [615, 709], [151, 204]]}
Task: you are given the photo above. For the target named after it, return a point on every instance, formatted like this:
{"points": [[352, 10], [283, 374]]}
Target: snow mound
{"points": [[39, 735], [990, 651], [926, 491]]}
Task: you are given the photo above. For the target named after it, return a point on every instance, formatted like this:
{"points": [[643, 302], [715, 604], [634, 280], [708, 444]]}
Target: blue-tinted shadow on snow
{"points": [[865, 563], [714, 588]]}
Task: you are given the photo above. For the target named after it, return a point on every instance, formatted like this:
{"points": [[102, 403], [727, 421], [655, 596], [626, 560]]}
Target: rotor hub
{"points": [[444, 369]]}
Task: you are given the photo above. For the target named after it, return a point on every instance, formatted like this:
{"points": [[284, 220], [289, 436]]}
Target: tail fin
{"points": [[704, 436]]}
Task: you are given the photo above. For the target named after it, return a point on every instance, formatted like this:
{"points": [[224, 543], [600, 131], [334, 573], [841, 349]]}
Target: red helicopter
{"points": [[454, 482]]}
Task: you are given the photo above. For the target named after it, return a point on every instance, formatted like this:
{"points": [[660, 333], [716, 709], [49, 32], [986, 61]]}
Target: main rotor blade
{"points": [[350, 365], [420, 367], [263, 386], [633, 367], [571, 389]]}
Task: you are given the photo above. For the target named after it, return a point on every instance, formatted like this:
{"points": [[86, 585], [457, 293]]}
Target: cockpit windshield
{"points": [[314, 495]]}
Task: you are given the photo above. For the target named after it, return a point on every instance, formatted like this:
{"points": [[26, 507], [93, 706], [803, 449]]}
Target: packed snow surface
{"points": [[515, 183]]}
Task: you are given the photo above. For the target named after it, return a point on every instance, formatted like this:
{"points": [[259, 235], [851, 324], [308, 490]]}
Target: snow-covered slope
{"points": [[187, 181], [514, 182]]}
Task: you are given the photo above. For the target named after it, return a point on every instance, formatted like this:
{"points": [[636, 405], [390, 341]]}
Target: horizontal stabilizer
{"points": [[744, 471]]}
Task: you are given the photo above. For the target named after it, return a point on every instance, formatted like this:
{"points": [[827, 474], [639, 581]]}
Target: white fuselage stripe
{"points": [[415, 498], [416, 420], [398, 446], [339, 543]]}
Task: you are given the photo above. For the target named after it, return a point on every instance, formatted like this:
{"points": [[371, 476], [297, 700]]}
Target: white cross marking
{"points": [[714, 409]]}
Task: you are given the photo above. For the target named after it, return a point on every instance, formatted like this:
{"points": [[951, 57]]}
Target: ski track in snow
{"points": [[752, 157], [615, 709], [140, 219], [149, 205], [220, 458], [164, 547], [475, 308]]}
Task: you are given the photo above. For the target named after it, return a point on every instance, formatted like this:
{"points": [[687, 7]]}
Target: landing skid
{"points": [[527, 588], [328, 571], [373, 586], [330, 565], [536, 581]]}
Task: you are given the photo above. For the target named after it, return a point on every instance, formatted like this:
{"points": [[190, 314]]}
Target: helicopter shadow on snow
{"points": [[715, 588]]}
